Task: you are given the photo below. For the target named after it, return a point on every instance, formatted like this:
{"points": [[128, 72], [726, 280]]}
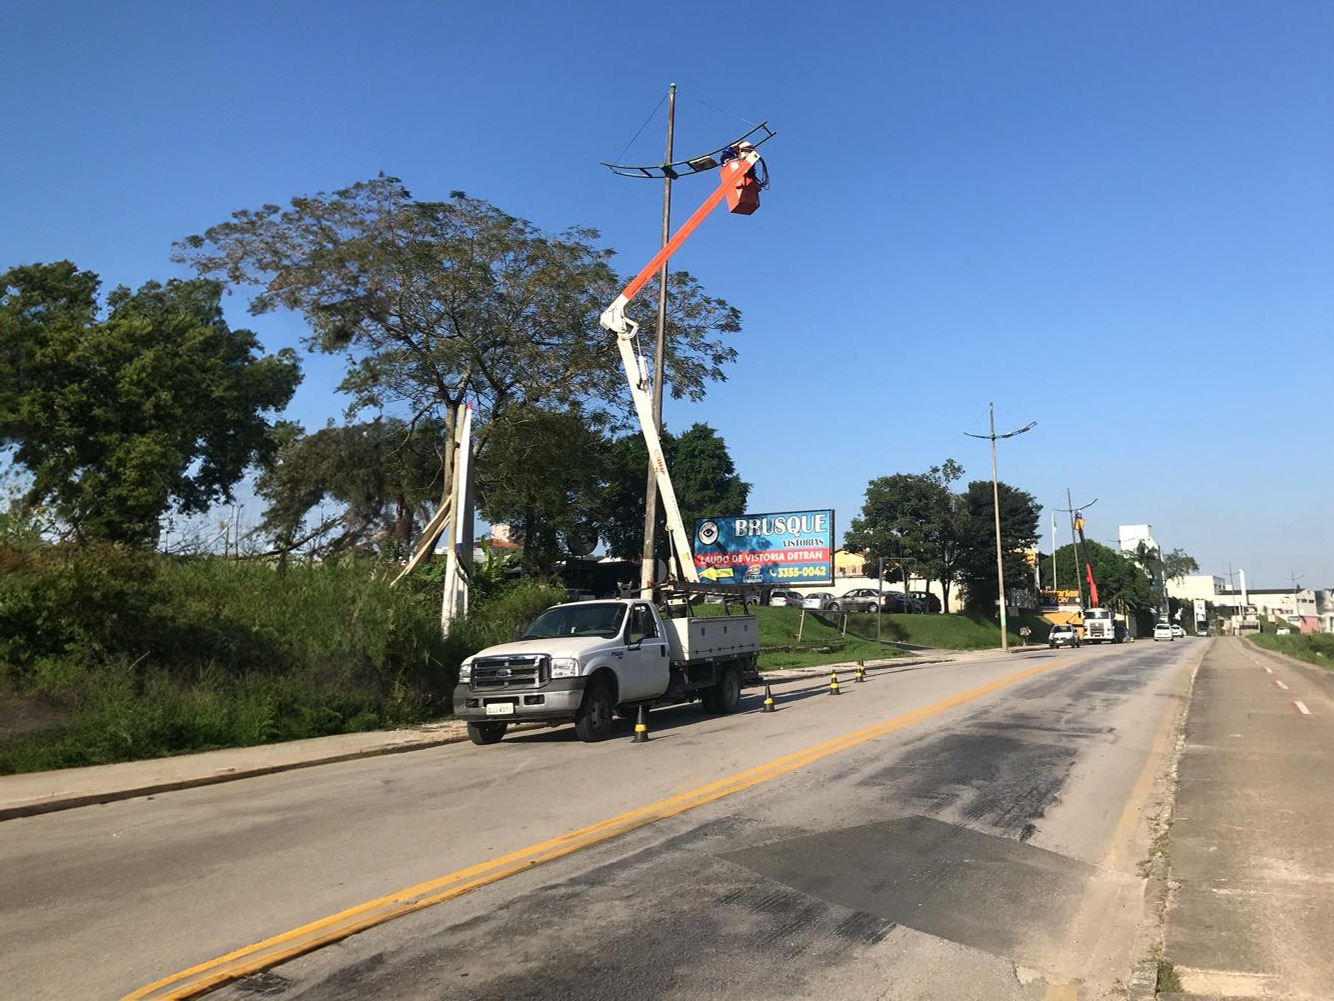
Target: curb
{"points": [[1143, 984], [69, 801], [58, 802]]}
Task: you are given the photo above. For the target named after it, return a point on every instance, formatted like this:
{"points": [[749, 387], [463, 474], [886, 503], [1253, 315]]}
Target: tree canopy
{"points": [[914, 516], [703, 476], [434, 303], [1120, 579], [117, 419], [379, 473], [1178, 563], [977, 535], [543, 475]]}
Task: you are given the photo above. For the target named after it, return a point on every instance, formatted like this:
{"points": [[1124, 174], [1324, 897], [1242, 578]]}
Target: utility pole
{"points": [[1056, 598], [651, 494], [1074, 541], [995, 497]]}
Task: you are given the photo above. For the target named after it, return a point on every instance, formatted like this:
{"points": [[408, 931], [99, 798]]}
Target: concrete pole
{"points": [[651, 493]]}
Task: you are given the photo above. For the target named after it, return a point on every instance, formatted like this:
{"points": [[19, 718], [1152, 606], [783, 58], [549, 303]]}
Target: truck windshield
{"points": [[590, 618]]}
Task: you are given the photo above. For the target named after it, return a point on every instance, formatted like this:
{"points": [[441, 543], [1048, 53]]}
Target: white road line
{"points": [[1300, 706], [1280, 684], [1269, 670]]}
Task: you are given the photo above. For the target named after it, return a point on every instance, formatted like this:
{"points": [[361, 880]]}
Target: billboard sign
{"points": [[790, 547], [1200, 614]]}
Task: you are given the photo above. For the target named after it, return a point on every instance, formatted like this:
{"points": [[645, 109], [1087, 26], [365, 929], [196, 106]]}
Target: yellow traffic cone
{"points": [[641, 727]]}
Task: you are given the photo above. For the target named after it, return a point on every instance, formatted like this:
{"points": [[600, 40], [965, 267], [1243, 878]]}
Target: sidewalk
{"points": [[44, 792], [1251, 891]]}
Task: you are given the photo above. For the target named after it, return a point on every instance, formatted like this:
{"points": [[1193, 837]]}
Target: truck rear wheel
{"points": [[486, 733], [725, 696], [593, 721]]}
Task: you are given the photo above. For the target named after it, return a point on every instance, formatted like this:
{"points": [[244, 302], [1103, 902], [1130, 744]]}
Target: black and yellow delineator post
{"points": [[833, 683], [861, 672], [641, 726], [768, 700]]}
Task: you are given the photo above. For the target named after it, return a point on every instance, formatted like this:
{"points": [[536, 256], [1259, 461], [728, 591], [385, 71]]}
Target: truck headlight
{"points": [[565, 667], [465, 671]]}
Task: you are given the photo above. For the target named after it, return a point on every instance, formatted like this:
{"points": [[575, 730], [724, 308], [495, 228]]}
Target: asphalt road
{"points": [[971, 830]]}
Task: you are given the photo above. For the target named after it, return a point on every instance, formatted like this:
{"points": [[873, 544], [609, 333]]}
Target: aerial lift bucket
{"points": [[743, 192]]}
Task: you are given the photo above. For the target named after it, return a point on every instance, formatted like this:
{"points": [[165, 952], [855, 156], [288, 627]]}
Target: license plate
{"points": [[500, 709]]}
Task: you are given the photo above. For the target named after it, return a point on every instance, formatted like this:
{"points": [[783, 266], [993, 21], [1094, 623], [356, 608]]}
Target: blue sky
{"points": [[1115, 219]]}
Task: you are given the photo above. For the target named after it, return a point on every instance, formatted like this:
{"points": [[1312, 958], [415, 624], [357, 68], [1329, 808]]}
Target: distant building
{"points": [[1130, 536], [1324, 609], [849, 564], [1296, 607], [1192, 586]]}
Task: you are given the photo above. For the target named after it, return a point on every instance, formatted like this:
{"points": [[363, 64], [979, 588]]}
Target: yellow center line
{"points": [[200, 979]]}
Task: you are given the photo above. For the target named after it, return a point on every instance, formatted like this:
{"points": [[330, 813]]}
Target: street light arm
{"points": [[1027, 427], [1009, 434]]}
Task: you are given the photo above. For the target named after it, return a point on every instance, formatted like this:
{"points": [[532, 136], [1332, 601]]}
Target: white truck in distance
{"points": [[584, 661]]}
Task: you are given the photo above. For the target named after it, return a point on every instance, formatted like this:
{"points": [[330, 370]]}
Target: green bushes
{"points": [[1315, 648], [110, 653]]}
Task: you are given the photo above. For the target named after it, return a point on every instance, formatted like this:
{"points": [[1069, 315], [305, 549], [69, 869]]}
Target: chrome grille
{"points": [[507, 673]]}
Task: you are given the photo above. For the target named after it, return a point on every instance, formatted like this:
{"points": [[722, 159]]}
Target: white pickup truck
{"points": [[585, 661]]}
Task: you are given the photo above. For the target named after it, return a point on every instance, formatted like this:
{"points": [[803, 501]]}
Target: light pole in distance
{"points": [[995, 497]]}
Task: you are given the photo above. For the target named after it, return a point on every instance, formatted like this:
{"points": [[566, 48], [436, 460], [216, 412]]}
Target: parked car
{"points": [[1063, 635], [780, 598], [1163, 631], [930, 602], [817, 600], [897, 601], [1177, 632], [859, 599]]}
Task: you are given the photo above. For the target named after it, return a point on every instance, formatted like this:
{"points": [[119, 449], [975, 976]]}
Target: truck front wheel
{"points": [[486, 733], [593, 721]]}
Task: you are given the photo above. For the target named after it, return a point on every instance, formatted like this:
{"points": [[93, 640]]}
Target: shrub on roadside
{"points": [[125, 654]]}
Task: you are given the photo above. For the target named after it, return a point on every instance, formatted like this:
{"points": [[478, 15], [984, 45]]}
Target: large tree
{"points": [[912, 515], [118, 419], [977, 537], [434, 303], [704, 479]]}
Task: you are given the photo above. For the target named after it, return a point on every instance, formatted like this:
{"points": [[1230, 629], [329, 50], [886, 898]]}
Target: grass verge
{"points": [[788, 640], [1314, 648]]}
